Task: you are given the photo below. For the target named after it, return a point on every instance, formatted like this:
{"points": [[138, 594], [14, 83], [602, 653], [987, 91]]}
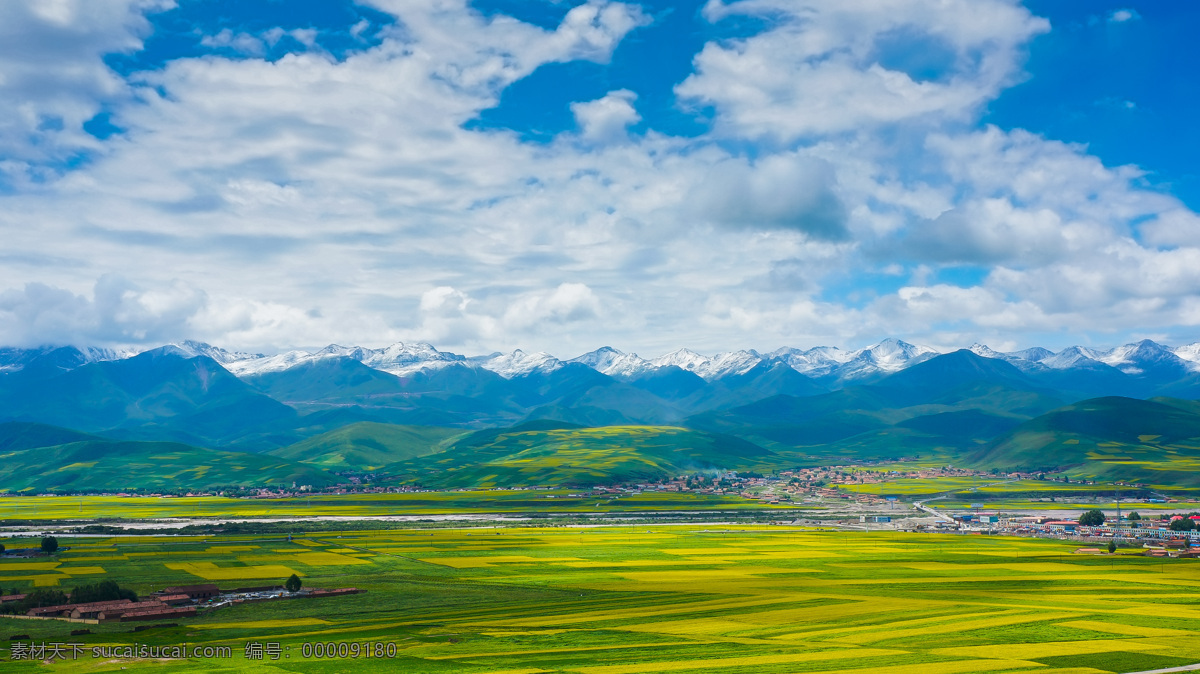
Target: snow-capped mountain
{"points": [[276, 363], [518, 363], [1141, 357], [398, 359], [1145, 360], [1019, 359], [1190, 353], [1071, 357], [402, 359], [1036, 354], [886, 357], [193, 348], [716, 367], [684, 359], [66, 357], [815, 362], [729, 364], [615, 363]]}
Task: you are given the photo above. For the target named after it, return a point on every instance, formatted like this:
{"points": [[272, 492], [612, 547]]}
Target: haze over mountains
{"points": [[355, 409]]}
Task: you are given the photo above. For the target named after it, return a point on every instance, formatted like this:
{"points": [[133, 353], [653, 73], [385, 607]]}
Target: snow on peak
{"points": [[892, 355], [685, 359], [614, 362], [1070, 357], [1136, 357], [276, 363], [728, 364], [984, 351], [720, 365], [1035, 354], [815, 362], [518, 363], [402, 359], [1020, 359], [1190, 353], [191, 348]]}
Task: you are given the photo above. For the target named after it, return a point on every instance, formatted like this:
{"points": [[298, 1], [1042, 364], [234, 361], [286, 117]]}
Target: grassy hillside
{"points": [[18, 435], [110, 465], [39, 458], [367, 446], [579, 456], [1151, 441]]}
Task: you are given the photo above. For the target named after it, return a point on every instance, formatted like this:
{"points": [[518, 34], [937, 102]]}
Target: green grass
{"points": [[657, 599], [110, 465], [1146, 441], [367, 446]]}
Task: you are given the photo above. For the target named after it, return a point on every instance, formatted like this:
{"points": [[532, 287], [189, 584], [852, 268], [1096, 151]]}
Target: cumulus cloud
{"points": [[818, 69], [118, 312], [568, 303], [606, 120], [289, 203]]}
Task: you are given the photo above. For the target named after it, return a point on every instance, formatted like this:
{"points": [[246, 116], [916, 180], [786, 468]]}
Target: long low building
{"points": [[149, 614]]}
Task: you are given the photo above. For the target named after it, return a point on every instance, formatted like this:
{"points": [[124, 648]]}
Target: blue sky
{"points": [[561, 175]]}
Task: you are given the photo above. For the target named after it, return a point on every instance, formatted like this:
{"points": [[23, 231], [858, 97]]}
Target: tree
{"points": [[1092, 518], [292, 584], [1184, 524], [1, 548], [106, 590], [1134, 516], [1112, 547], [49, 545]]}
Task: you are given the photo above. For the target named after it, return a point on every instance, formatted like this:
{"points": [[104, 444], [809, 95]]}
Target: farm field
{"points": [[636, 599], [36, 508], [992, 488]]}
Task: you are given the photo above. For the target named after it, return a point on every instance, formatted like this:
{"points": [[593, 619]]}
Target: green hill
{"points": [[38, 458], [107, 465], [572, 456], [18, 435], [1153, 441], [366, 446]]}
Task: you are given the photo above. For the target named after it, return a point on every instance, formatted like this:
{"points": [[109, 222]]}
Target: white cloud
{"points": [[52, 78], [273, 204], [606, 120], [829, 68], [1123, 15]]}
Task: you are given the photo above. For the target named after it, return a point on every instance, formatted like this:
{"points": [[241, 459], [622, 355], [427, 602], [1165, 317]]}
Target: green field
{"points": [[39, 508], [658, 599]]}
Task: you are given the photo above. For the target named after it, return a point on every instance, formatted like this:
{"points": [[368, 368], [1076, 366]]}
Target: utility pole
{"points": [[1119, 503]]}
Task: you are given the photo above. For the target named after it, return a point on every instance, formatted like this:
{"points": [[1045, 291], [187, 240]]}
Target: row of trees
{"points": [[107, 590]]}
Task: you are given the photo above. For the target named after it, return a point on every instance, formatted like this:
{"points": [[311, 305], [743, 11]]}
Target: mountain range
{"points": [[346, 409], [830, 365]]}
